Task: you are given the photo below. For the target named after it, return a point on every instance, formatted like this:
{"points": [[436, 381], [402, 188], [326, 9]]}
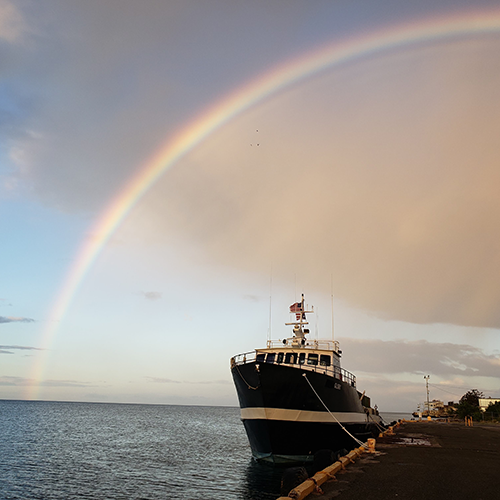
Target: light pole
{"points": [[427, 377]]}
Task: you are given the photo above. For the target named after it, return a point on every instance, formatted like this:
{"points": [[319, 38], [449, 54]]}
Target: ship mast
{"points": [[299, 332]]}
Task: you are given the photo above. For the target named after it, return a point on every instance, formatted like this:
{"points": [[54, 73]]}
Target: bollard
{"points": [[371, 445]]}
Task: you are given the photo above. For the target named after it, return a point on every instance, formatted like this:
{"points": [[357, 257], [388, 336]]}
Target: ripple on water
{"points": [[68, 451]]}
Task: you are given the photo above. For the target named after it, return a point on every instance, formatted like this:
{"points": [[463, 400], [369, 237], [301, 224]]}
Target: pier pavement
{"points": [[424, 461]]}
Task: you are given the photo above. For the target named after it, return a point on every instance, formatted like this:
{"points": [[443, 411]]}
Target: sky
{"points": [[175, 174]]}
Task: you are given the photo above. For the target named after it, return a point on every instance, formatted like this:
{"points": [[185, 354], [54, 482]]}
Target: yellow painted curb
{"points": [[309, 485]]}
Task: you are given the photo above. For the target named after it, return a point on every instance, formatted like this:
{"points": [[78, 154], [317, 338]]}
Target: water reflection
{"points": [[262, 481]]}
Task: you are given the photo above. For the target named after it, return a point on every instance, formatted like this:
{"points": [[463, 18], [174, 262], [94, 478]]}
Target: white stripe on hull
{"points": [[301, 415]]}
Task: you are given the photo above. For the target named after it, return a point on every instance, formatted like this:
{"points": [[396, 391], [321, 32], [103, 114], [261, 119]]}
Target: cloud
{"points": [[124, 90], [66, 383], [15, 381], [211, 382], [392, 394], [380, 172], [7, 349], [152, 295], [419, 357], [22, 381], [386, 183], [159, 380], [12, 24], [12, 319]]}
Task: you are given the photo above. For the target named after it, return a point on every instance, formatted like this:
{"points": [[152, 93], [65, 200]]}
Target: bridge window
{"points": [[270, 357], [291, 358], [302, 358], [260, 358], [325, 360], [280, 358], [312, 359]]}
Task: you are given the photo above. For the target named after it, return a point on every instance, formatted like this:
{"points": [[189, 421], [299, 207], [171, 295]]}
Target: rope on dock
{"points": [[380, 428]]}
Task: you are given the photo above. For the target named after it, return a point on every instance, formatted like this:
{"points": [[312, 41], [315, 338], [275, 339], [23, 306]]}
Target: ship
{"points": [[296, 400], [433, 409]]}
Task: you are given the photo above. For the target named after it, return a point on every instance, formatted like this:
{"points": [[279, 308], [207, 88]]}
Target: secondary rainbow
{"points": [[212, 118]]}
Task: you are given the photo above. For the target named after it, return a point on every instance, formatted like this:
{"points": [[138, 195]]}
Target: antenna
{"points": [[317, 321], [270, 307], [333, 336]]}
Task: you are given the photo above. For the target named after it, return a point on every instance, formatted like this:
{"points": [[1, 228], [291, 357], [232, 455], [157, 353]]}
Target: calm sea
{"points": [[391, 416], [52, 450], [66, 451]]}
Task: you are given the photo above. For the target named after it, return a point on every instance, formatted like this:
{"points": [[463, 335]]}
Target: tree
{"points": [[472, 397], [469, 405], [494, 408]]}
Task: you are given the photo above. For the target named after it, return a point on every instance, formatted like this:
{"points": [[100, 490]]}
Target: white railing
{"points": [[333, 371], [327, 345]]}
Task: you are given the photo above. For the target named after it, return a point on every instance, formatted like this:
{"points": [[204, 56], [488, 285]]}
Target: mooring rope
{"points": [[332, 415], [243, 378], [380, 428]]}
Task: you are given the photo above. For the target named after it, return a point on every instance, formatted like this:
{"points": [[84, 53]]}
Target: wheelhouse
{"points": [[298, 352]]}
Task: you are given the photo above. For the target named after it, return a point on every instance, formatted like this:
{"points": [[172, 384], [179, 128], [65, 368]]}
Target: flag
{"points": [[297, 309]]}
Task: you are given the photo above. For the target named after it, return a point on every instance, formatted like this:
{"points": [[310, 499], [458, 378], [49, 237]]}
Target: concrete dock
{"points": [[423, 460]]}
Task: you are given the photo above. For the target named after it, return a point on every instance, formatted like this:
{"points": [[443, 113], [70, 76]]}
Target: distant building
{"points": [[485, 402], [436, 404]]}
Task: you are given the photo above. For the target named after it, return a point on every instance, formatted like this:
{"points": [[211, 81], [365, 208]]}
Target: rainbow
{"points": [[214, 117]]}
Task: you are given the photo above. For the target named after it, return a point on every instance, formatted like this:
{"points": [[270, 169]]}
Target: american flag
{"points": [[297, 309]]}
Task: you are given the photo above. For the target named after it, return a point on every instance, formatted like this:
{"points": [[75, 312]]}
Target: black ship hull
{"points": [[286, 420]]}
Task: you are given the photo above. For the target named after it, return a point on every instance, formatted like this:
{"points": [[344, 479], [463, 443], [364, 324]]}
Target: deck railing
{"points": [[332, 370], [328, 345]]}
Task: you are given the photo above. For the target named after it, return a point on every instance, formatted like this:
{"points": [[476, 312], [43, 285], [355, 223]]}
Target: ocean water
{"points": [[389, 417], [66, 451], [51, 450]]}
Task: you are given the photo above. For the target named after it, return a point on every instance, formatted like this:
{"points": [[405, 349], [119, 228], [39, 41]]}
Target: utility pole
{"points": [[427, 377]]}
